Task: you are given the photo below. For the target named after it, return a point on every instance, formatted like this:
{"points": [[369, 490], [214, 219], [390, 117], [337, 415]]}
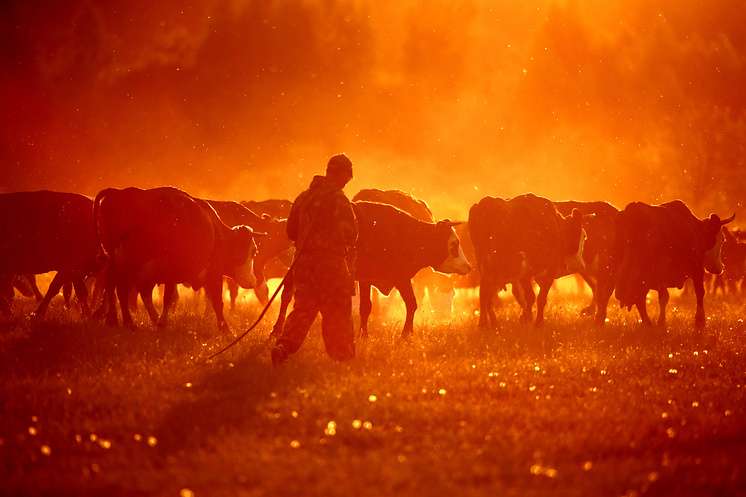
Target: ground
{"points": [[566, 410]]}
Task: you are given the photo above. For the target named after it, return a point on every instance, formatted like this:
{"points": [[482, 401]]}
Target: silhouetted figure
{"points": [[323, 226]]}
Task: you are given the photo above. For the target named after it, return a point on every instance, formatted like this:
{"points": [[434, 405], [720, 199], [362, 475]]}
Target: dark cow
{"points": [[272, 246], [734, 262], [600, 223], [519, 240], [392, 247], [661, 246], [47, 231], [164, 235], [439, 285], [279, 208]]}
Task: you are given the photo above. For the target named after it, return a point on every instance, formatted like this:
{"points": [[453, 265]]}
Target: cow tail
{"points": [[96, 222]]}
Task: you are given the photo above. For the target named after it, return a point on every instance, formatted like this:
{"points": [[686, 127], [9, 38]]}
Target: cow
{"points": [[734, 262], [518, 240], [392, 247], [164, 235], [660, 247], [600, 223], [271, 247], [439, 285], [46, 231]]}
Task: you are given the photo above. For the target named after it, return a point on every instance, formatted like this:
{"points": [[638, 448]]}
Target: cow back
{"points": [[404, 201], [392, 245], [46, 231]]}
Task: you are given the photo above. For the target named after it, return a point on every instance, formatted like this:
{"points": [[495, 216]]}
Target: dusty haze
{"points": [[246, 99]]}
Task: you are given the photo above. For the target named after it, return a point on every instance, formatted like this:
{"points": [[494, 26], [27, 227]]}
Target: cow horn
{"points": [[728, 220], [451, 224]]}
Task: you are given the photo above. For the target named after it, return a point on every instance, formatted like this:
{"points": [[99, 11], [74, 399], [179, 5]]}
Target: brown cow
{"points": [[271, 247], [164, 235], [439, 285], [519, 240], [598, 251], [47, 231], [661, 246], [392, 247]]}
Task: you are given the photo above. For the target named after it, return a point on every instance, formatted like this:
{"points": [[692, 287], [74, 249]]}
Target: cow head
{"points": [[240, 251], [574, 237], [453, 259], [713, 239]]}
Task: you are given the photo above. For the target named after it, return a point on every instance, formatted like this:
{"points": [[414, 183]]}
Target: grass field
{"points": [[565, 410]]}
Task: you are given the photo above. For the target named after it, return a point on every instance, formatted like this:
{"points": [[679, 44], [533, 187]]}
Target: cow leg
{"points": [[123, 294], [214, 292], [54, 288], [699, 291], [602, 294], [487, 293], [662, 303], [526, 298], [67, 293], [110, 299], [81, 292], [170, 296], [34, 287], [643, 311], [410, 301], [232, 290], [365, 307], [593, 285], [146, 294], [541, 301]]}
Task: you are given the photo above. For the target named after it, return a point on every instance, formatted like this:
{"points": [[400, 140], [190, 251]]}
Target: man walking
{"points": [[323, 226]]}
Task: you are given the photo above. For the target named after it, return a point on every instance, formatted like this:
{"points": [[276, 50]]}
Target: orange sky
{"points": [[452, 101]]}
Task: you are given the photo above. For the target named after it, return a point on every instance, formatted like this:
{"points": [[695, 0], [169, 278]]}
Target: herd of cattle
{"points": [[126, 241]]}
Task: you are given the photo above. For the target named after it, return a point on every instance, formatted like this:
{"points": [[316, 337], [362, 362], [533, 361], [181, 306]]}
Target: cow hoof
{"points": [[588, 311], [406, 334], [525, 318], [364, 334], [539, 323]]}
